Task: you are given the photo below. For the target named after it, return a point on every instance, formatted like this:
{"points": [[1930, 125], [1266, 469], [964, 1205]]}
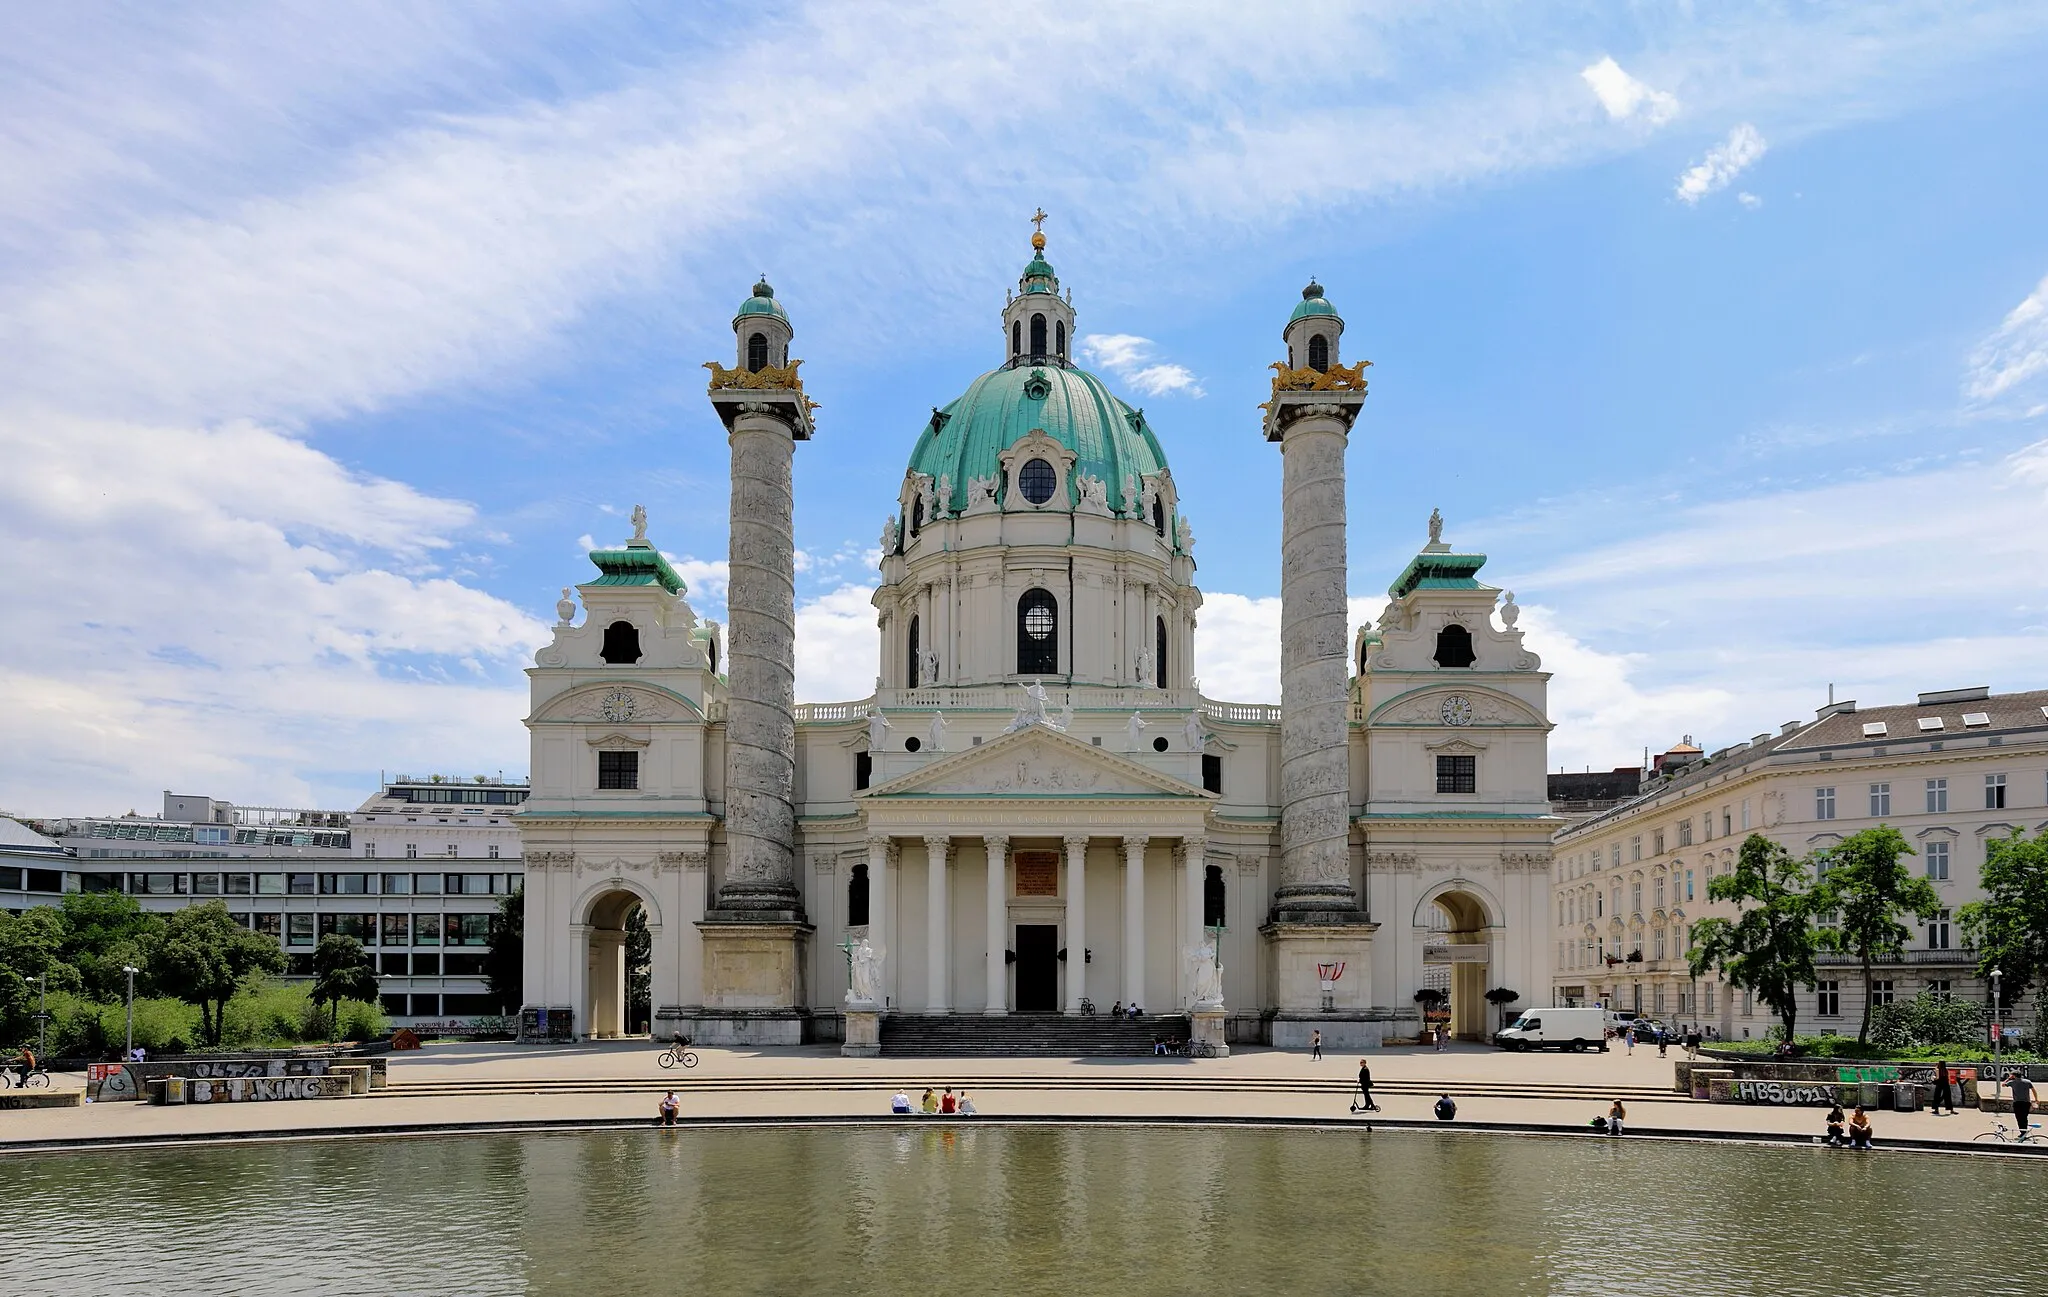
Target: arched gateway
{"points": [[1036, 807]]}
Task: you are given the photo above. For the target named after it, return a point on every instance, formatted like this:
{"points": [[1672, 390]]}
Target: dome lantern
{"points": [[762, 330], [1313, 330], [1038, 324]]}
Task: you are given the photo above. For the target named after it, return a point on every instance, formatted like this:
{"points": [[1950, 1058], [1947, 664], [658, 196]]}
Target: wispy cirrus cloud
{"points": [[2015, 353], [1134, 360], [1742, 149]]}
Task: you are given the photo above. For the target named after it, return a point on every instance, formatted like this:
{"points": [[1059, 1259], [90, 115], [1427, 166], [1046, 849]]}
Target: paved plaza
{"points": [[476, 1085]]}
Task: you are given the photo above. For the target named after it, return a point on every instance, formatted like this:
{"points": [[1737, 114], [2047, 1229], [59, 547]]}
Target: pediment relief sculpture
{"points": [[1456, 706]]}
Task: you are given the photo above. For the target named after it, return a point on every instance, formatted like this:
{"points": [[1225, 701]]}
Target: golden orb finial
{"points": [[1038, 242], [1038, 230]]}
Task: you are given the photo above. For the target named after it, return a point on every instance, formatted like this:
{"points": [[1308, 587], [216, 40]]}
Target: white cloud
{"points": [[231, 608], [1623, 96], [1132, 359], [2015, 352], [1749, 200], [837, 645], [1723, 163]]}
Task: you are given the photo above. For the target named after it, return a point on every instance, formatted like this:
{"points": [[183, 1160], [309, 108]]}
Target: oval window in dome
{"points": [[1037, 480]]}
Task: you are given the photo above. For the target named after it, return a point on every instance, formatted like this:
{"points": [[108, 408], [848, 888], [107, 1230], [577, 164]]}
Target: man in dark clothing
{"points": [[2022, 1101], [1365, 1103], [1446, 1108], [1944, 1095]]}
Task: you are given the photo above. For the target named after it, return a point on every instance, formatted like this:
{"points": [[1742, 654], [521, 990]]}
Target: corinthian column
{"points": [[938, 922], [760, 733], [998, 847], [1077, 920]]}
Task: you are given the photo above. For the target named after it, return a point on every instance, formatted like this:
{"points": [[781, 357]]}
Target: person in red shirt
{"points": [[947, 1103]]}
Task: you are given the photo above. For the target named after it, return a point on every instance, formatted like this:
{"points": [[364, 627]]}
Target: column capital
{"points": [[1136, 841], [880, 842], [997, 843], [938, 843], [1076, 842], [1192, 846]]}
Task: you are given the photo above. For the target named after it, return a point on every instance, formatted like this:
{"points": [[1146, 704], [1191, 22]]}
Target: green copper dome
{"points": [[1038, 268], [1074, 407], [1312, 303], [761, 303]]}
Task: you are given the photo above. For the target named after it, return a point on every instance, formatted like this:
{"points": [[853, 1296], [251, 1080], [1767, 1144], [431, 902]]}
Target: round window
{"points": [[1036, 481], [911, 744], [1038, 621], [1159, 744]]}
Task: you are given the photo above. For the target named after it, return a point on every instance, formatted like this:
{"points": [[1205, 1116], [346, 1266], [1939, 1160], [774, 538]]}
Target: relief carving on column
{"points": [[1075, 842], [670, 862], [545, 860]]}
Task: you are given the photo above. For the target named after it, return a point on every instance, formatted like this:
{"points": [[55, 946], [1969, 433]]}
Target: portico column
{"points": [[1077, 920], [1134, 918], [998, 922], [1194, 862], [878, 900], [938, 942]]}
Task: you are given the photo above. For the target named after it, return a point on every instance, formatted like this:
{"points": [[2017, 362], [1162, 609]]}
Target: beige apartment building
{"points": [[1951, 771]]}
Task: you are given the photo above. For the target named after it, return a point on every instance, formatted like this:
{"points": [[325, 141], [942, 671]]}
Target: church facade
{"points": [[1036, 811]]}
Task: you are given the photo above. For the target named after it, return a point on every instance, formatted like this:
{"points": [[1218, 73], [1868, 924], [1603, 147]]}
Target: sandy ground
{"points": [[458, 1085]]}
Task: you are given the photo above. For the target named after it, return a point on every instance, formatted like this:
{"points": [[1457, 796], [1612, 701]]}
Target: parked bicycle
{"points": [[679, 1053], [2005, 1134]]}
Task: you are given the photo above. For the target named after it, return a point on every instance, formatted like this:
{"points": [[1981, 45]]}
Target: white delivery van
{"points": [[1558, 1029]]}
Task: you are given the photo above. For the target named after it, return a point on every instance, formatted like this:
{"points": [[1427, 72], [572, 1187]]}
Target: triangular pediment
{"points": [[1036, 762]]}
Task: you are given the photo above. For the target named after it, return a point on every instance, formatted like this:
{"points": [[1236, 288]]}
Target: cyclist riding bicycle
{"points": [[24, 1065]]}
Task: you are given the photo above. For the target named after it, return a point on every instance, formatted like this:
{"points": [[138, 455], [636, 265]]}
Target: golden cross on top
{"points": [[1038, 219]]}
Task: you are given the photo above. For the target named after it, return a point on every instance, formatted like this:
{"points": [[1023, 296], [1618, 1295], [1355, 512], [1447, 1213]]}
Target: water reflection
{"points": [[958, 1209]]}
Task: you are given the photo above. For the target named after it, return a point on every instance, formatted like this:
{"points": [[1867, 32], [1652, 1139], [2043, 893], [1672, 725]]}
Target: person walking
{"points": [[1692, 1042], [1944, 1093], [1662, 1037], [1617, 1116], [670, 1106], [1315, 1045], [1440, 1033], [1631, 1041], [2022, 1100], [1364, 1103]]}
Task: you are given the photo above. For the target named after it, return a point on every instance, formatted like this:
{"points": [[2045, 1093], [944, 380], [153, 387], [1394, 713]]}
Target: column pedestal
{"points": [[754, 992], [1206, 1038], [863, 1030], [1293, 953]]}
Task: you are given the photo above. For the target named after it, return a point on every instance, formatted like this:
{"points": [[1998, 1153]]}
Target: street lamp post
{"points": [[42, 1011], [1997, 1039], [131, 970]]}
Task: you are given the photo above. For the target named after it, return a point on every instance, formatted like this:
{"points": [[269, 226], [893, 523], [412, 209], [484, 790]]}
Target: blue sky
{"points": [[330, 337]]}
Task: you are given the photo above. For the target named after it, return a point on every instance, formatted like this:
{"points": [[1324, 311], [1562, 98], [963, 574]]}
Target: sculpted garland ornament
{"points": [[1456, 710], [617, 705]]}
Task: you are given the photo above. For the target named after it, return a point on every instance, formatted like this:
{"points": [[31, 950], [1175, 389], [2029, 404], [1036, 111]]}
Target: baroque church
{"points": [[1036, 811]]}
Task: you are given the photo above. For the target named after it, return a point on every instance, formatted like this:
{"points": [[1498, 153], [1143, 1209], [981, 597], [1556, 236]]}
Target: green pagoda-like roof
{"points": [[635, 565], [1427, 571]]}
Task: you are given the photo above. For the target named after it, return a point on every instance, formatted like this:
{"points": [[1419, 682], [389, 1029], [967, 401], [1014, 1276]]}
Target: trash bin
{"points": [[1905, 1097]]}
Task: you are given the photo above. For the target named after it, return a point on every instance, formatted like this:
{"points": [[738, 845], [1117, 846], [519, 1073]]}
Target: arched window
{"points": [[910, 676], [757, 352], [711, 648], [1362, 647], [917, 515], [1454, 646], [1059, 339], [1037, 337], [1159, 651], [1038, 634], [621, 644], [857, 898], [1318, 352], [1159, 515], [1016, 337], [1212, 897]]}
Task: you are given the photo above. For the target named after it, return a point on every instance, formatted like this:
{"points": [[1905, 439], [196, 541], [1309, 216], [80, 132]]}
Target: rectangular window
{"points": [[1828, 1001], [1823, 803], [1880, 801], [1941, 989], [1455, 774], [206, 884], [1994, 792], [473, 884], [398, 884], [494, 851], [1937, 796], [394, 966], [1212, 773], [1688, 884], [1727, 822], [468, 930], [1685, 833], [1657, 947], [236, 884], [426, 929], [1937, 859], [622, 770], [358, 926], [1635, 849], [424, 966], [1614, 855], [369, 851], [1745, 815], [453, 965], [412, 851], [298, 929], [1882, 992], [1707, 999], [452, 853], [1746, 1004], [300, 884], [426, 884], [397, 929], [1657, 843], [1657, 997], [1635, 895], [1937, 931], [270, 924], [1660, 891]]}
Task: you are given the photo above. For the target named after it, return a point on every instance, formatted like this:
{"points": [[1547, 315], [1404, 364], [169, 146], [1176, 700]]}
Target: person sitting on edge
{"points": [[1134, 1011], [1617, 1117], [900, 1104], [1446, 1107], [1117, 1010], [1834, 1138], [967, 1108], [930, 1104], [948, 1105], [1158, 1045], [670, 1106], [1859, 1128]]}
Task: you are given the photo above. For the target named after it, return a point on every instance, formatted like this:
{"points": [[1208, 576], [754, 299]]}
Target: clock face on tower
{"points": [[1456, 710], [617, 705]]}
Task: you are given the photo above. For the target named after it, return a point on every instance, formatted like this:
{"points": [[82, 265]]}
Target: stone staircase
{"points": [[1025, 1035]]}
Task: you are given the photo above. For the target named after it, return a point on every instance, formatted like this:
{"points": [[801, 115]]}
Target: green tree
{"points": [[202, 955], [505, 965], [1864, 881], [31, 946], [103, 932], [1768, 948], [1501, 997], [2009, 927], [639, 969], [341, 971]]}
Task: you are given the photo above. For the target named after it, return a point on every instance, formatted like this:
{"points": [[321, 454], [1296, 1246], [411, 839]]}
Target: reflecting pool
{"points": [[1073, 1211]]}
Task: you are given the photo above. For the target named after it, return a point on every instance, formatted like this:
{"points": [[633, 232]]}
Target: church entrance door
{"points": [[1038, 969]]}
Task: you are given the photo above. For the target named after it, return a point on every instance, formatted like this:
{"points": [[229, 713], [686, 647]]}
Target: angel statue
{"points": [[1031, 711], [878, 729], [865, 974], [639, 520]]}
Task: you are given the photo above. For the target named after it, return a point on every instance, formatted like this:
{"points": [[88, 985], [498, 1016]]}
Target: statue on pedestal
{"points": [[1206, 976], [865, 974]]}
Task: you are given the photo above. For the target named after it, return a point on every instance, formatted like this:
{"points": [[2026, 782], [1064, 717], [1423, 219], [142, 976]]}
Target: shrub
{"points": [[1926, 1020], [362, 1020], [266, 1014]]}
